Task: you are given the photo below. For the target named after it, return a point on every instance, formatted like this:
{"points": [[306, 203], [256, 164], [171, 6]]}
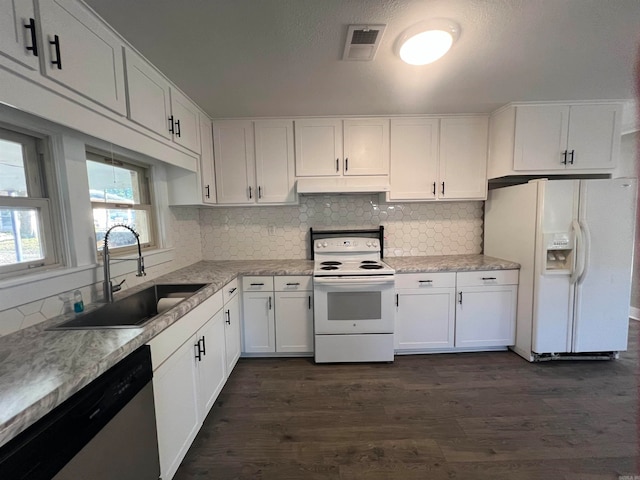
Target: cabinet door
{"points": [[366, 146], [463, 158], [207, 175], [275, 164], [294, 322], [594, 136], [148, 95], [14, 37], [175, 390], [318, 147], [232, 332], [485, 316], [540, 137], [234, 161], [414, 158], [259, 322], [425, 319], [88, 59], [212, 363], [186, 129]]}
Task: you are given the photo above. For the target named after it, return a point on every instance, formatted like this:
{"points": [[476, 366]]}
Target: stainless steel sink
{"points": [[133, 311]]}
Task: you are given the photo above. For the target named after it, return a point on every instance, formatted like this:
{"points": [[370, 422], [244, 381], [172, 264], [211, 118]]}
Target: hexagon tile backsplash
{"points": [[280, 232]]}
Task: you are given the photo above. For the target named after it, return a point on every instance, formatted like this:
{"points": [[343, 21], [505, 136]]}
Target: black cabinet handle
{"points": [[171, 123], [460, 298], [564, 156], [232, 290], [257, 284], [489, 278], [572, 153], [337, 164], [32, 27], [177, 128], [204, 347], [58, 60], [250, 193], [309, 302], [346, 164], [269, 303], [259, 191], [228, 320], [293, 284], [425, 281], [198, 351], [442, 188], [207, 189], [434, 188], [397, 300]]}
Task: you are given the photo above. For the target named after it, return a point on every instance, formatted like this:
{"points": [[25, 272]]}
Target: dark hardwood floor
{"points": [[463, 416]]}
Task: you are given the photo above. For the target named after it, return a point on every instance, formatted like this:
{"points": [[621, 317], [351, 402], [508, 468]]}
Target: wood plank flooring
{"points": [[463, 416]]}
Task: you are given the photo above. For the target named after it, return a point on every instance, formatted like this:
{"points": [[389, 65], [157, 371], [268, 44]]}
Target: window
{"points": [[119, 193], [26, 234]]}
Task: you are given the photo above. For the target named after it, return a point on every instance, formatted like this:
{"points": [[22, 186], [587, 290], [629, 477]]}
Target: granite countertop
{"points": [[449, 263], [39, 368]]}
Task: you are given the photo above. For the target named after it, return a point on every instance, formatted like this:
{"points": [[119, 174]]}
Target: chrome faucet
{"points": [[108, 287]]}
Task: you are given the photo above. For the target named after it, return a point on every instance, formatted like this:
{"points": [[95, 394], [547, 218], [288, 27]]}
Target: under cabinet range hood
{"points": [[371, 184]]}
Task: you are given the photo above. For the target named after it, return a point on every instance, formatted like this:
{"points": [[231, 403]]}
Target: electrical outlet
{"points": [[272, 230]]}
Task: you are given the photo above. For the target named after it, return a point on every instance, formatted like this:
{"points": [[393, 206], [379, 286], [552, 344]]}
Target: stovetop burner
{"points": [[368, 266], [330, 267], [368, 261], [331, 262]]}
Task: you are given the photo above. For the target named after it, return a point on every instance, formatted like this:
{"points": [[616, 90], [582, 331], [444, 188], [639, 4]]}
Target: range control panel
{"points": [[344, 244]]}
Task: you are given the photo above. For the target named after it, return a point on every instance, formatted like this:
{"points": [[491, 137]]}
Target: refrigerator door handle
{"points": [[578, 269], [586, 247]]}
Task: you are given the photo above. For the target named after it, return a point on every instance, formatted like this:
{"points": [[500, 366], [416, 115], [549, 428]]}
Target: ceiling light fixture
{"points": [[427, 41]]}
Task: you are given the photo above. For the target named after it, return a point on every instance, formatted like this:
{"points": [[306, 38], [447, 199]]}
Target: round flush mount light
{"points": [[427, 41]]}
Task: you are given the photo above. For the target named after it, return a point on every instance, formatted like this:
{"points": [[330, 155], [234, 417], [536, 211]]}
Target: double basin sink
{"points": [[133, 311]]}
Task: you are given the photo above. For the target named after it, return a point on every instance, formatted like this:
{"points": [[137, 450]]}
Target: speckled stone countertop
{"points": [[40, 368], [449, 263]]}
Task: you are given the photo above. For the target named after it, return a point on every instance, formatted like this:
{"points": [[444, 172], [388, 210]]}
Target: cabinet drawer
{"points": [[426, 280], [230, 290], [257, 284], [487, 277], [291, 283]]}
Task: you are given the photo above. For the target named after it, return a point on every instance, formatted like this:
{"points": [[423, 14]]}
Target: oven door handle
{"points": [[361, 280]]}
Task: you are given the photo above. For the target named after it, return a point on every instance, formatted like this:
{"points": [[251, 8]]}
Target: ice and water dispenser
{"points": [[558, 252]]}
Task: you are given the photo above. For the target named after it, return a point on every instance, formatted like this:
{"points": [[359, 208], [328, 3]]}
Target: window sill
{"points": [[29, 288]]}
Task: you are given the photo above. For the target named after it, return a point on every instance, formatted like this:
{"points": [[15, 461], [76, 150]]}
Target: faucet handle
{"points": [[117, 287]]}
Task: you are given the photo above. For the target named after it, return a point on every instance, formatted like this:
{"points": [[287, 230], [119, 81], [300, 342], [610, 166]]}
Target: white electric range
{"points": [[354, 301]]}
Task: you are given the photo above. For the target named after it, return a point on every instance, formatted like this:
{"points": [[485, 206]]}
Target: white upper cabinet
{"points": [[149, 96], [254, 166], [184, 119], [334, 148], [439, 159], [207, 173], [463, 158], [366, 146], [275, 163], [18, 33], [81, 53], [414, 158], [555, 139], [234, 161], [318, 147]]}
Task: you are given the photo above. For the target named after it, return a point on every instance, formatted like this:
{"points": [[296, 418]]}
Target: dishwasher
{"points": [[106, 431]]}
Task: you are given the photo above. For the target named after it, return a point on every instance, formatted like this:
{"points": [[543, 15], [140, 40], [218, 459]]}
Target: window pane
{"points": [[105, 218], [20, 237], [113, 184], [13, 181]]}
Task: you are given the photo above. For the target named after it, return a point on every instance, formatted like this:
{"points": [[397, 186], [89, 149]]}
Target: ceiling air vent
{"points": [[363, 42]]}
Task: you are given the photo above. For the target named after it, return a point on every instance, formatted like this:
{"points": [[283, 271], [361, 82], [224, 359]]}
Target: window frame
{"points": [[146, 195], [36, 199]]}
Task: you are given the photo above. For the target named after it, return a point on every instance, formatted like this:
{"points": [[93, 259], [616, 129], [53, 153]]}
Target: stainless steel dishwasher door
{"points": [[125, 449]]}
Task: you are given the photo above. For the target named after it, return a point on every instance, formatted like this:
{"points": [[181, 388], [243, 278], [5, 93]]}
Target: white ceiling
{"points": [[238, 58]]}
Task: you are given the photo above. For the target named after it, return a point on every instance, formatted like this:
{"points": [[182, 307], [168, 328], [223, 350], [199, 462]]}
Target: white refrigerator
{"points": [[574, 241]]}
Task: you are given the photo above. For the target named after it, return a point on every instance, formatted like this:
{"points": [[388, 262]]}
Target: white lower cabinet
{"points": [[449, 311], [425, 311], [191, 365], [278, 314], [486, 308]]}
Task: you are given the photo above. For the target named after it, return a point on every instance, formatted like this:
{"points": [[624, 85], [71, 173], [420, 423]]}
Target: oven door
{"points": [[350, 305]]}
